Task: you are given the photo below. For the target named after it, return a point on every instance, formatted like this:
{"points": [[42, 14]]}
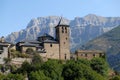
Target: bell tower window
{"points": [[65, 29], [62, 31]]}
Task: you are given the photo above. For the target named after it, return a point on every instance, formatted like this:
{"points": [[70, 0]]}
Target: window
{"points": [[85, 55], [62, 29], [65, 30], [50, 45], [101, 55], [65, 56], [66, 38], [64, 42], [93, 55], [81, 54]]}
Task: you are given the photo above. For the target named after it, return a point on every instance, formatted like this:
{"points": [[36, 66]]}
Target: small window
{"points": [[64, 42], [81, 54], [50, 45], [85, 55], [94, 55], [65, 30], [66, 38], [62, 28], [62, 31], [101, 54], [65, 56]]}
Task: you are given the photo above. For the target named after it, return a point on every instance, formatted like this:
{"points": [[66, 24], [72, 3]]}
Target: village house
{"points": [[89, 54], [4, 49]]}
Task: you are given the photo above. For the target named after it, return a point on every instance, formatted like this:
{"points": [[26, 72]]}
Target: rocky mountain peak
{"points": [[81, 30]]}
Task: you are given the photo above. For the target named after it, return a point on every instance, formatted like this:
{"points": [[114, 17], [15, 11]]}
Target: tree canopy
{"points": [[95, 69]]}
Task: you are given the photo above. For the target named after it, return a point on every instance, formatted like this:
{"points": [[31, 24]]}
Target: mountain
{"points": [[82, 29], [110, 43], [35, 28]]}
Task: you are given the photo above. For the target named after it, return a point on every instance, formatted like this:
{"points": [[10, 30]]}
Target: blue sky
{"points": [[16, 14]]}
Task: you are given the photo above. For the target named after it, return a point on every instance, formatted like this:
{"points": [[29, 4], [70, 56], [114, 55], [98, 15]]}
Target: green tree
{"points": [[2, 76], [38, 75], [14, 77], [84, 61], [53, 69], [25, 68], [7, 65], [7, 60], [117, 77], [37, 61], [100, 66], [30, 51], [79, 71]]}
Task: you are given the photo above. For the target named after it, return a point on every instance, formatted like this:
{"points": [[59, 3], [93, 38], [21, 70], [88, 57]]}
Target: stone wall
{"points": [[24, 48], [3, 55], [52, 50], [87, 54], [19, 61]]}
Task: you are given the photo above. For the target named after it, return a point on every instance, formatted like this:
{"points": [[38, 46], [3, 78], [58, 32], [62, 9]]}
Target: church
{"points": [[49, 47]]}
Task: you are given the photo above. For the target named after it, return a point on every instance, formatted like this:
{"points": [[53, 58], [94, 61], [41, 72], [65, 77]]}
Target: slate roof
{"points": [[3, 44], [50, 41], [29, 41], [29, 44], [47, 36]]}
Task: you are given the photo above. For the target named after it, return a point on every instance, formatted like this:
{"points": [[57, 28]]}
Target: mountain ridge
{"points": [[82, 29]]}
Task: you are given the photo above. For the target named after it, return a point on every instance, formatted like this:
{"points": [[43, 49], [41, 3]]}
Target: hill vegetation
{"points": [[108, 42], [95, 69]]}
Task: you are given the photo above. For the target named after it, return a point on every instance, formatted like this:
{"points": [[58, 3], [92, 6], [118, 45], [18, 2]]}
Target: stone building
{"points": [[3, 52], [48, 46], [22, 46], [89, 54], [4, 49]]}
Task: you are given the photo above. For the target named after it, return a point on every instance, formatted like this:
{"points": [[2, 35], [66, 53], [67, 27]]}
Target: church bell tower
{"points": [[62, 36]]}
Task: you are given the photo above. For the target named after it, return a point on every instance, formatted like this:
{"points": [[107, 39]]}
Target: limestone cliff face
{"points": [[82, 29]]}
